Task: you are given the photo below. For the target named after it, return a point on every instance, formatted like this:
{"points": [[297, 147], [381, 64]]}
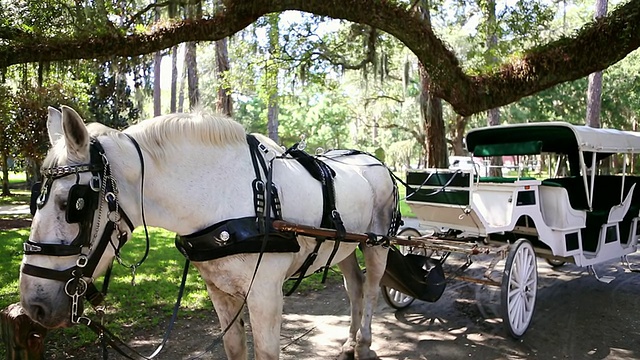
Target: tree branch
{"points": [[595, 47], [388, 97]]}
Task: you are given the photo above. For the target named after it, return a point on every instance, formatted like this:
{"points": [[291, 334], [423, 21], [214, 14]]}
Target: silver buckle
{"points": [[27, 247]]}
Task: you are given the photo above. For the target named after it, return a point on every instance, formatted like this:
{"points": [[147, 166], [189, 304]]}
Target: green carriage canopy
{"points": [[554, 137]]}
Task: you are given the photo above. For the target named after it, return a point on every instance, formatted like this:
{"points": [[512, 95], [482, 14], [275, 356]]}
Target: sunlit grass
{"points": [[16, 178], [19, 194], [405, 210]]}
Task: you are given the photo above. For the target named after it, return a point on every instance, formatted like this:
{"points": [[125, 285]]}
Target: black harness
{"points": [[82, 203], [253, 234]]}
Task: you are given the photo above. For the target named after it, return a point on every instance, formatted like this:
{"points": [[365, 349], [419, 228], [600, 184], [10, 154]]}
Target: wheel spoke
{"points": [[519, 288]]}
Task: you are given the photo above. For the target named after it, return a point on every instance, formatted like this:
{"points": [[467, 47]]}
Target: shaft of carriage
{"points": [[427, 242]]}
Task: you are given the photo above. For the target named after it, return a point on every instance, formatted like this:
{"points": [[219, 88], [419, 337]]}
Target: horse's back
{"points": [[363, 189]]}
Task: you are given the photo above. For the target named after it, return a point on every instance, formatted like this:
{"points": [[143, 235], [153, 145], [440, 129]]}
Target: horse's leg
{"points": [[375, 261], [265, 313], [363, 294], [227, 306], [353, 280]]}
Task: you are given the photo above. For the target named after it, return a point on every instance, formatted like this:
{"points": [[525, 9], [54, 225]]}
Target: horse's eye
{"points": [[63, 206]]}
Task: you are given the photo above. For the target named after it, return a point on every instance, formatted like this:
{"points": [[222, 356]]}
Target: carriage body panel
{"points": [[582, 216]]}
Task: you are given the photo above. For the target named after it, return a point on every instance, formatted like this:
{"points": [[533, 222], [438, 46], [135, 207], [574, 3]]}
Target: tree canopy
{"points": [[75, 35]]}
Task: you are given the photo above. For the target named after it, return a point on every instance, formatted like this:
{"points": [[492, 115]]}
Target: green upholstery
{"points": [[606, 195], [518, 148]]}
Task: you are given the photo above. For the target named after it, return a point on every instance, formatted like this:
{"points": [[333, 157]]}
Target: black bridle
{"points": [[82, 204], [83, 201]]}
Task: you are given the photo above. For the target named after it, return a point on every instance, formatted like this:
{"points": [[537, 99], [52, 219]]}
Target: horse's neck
{"points": [[191, 188]]}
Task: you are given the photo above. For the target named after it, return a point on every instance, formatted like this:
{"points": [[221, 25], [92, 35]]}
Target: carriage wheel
{"points": [[519, 288], [391, 296]]}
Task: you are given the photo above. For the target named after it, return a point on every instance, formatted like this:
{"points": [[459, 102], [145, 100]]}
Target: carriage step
{"points": [[625, 260], [605, 279]]}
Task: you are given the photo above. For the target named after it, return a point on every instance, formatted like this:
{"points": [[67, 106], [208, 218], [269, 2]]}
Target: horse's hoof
{"points": [[346, 355], [369, 355]]}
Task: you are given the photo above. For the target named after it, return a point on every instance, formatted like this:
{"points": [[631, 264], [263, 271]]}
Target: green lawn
{"points": [[19, 195], [17, 178], [404, 208]]}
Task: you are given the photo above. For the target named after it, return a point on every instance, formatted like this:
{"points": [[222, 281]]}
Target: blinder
{"points": [[36, 190], [81, 203]]}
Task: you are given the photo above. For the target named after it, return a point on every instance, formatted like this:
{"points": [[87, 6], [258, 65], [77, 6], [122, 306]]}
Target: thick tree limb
{"points": [[597, 46]]}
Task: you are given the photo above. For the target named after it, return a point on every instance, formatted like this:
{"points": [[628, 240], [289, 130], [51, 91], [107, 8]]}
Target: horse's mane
{"points": [[157, 135], [160, 135]]}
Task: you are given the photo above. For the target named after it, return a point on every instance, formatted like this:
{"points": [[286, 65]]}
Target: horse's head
{"points": [[75, 225]]}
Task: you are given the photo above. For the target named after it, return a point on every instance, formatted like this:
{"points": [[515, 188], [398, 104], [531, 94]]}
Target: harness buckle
{"points": [[84, 320], [31, 248], [95, 183], [82, 261]]}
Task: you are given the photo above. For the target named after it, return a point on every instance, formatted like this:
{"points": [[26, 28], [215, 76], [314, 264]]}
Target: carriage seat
{"points": [[617, 212], [607, 207], [606, 194]]}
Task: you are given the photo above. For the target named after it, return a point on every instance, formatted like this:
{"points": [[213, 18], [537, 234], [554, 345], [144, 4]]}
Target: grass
{"points": [[404, 208], [19, 195]]}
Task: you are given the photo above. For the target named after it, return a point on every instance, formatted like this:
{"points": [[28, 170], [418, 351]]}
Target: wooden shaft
{"points": [[306, 230], [427, 242]]}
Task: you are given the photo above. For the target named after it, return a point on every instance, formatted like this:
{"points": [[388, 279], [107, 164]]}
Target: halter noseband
{"points": [[82, 203]]}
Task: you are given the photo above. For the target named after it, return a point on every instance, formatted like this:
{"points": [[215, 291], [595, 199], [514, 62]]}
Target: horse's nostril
{"points": [[38, 313]]}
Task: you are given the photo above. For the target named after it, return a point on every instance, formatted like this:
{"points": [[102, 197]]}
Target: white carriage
{"points": [[578, 211]]}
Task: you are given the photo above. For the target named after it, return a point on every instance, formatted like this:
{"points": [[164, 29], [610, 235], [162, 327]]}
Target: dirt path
{"points": [[576, 317]]}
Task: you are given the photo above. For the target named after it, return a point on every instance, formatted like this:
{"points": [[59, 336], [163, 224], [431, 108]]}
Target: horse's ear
{"points": [[54, 125], [75, 134]]}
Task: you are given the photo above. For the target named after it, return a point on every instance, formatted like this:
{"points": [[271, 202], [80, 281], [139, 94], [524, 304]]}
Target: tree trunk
{"points": [[40, 74], [271, 82], [5, 173], [431, 113], [493, 115], [157, 91], [457, 135], [157, 96], [183, 80], [192, 74], [174, 79], [436, 155], [594, 91], [224, 104], [194, 12], [272, 118], [23, 338]]}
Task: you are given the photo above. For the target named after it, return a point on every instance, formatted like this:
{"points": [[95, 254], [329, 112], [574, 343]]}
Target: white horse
{"points": [[198, 171]]}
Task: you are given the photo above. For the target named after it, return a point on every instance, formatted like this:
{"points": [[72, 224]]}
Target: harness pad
{"points": [[236, 236]]}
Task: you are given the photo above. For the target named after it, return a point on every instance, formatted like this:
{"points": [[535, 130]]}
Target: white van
{"points": [[468, 163]]}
